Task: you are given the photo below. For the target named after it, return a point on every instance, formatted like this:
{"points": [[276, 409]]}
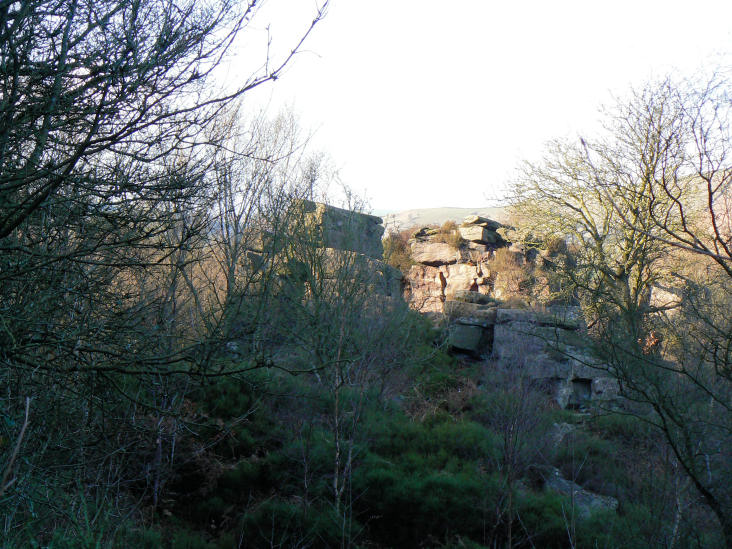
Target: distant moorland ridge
{"points": [[437, 216]]}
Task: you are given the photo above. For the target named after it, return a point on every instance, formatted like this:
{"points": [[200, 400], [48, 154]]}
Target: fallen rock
{"points": [[585, 502], [467, 337]]}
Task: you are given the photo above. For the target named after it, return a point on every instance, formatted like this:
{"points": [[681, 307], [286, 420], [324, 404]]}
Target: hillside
{"points": [[437, 216]]}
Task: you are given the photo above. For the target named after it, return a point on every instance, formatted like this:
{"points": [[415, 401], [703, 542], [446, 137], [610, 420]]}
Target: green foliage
{"points": [[593, 462], [629, 428], [279, 523]]}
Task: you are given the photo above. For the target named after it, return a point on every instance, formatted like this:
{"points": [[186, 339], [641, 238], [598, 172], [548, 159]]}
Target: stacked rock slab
{"points": [[441, 268]]}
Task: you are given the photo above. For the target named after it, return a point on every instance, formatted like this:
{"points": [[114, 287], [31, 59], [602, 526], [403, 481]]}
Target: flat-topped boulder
{"points": [[471, 313], [480, 230]]}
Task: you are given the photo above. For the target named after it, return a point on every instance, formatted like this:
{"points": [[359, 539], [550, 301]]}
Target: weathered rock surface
{"points": [[467, 337], [425, 288], [485, 314], [546, 345], [428, 286], [481, 235]]}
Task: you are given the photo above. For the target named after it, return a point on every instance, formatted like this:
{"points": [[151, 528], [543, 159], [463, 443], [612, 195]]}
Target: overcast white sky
{"points": [[426, 103]]}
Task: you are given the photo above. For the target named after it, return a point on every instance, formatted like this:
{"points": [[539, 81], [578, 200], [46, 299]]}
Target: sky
{"points": [[425, 103]]}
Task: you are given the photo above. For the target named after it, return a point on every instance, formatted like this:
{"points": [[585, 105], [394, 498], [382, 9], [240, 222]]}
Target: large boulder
{"points": [[465, 277], [471, 313], [342, 229], [468, 337], [478, 234]]}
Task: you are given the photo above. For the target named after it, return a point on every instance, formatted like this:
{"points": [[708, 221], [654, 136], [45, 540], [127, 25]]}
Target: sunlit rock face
{"points": [[452, 261]]}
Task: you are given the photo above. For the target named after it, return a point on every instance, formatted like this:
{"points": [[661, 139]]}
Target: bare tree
{"points": [[105, 195], [656, 189]]}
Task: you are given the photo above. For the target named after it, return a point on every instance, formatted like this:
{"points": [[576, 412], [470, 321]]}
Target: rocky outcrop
{"points": [[546, 346]]}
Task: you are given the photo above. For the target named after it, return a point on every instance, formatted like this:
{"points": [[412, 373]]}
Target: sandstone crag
{"points": [[449, 262]]}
